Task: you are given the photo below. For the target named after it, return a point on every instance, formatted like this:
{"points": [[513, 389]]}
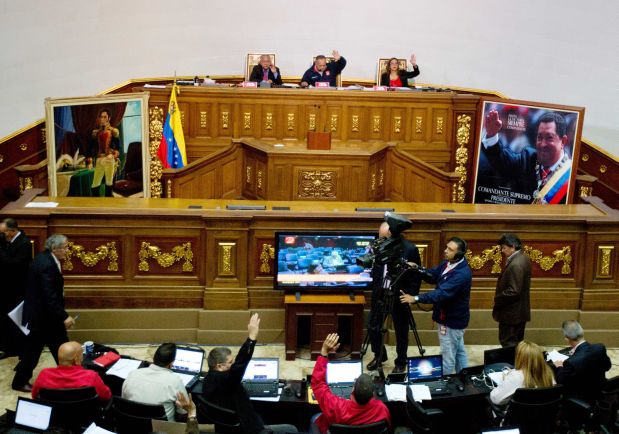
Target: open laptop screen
{"points": [[188, 360], [343, 372], [425, 368], [262, 370], [32, 414]]}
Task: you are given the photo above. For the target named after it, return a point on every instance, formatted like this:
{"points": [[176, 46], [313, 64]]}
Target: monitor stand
{"points": [[351, 294], [297, 296]]}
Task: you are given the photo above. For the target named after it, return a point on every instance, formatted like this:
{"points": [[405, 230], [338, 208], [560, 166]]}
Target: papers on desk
{"points": [[123, 367], [396, 392], [16, 316], [421, 392], [555, 356], [155, 86], [41, 205], [497, 377], [185, 378], [268, 399], [94, 429]]}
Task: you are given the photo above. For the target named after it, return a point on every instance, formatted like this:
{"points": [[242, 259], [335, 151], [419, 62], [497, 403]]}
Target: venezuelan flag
{"points": [[172, 146]]}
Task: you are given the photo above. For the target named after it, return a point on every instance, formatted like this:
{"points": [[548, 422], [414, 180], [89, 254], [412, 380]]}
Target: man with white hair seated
{"points": [[583, 373]]}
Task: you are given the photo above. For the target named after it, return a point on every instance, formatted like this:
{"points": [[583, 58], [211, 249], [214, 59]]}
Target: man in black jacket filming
{"points": [[390, 252]]}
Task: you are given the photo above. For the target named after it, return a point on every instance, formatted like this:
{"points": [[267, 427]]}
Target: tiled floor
{"points": [[292, 370]]}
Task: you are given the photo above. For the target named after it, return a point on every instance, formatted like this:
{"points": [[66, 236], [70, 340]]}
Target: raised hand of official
{"points": [[253, 327], [331, 343], [493, 123]]}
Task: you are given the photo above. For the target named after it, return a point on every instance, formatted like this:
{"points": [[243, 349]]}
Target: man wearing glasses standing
{"points": [[44, 312], [546, 169]]}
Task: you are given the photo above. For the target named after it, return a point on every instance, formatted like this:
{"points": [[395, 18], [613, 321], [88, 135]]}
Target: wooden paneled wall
{"points": [[141, 253]]}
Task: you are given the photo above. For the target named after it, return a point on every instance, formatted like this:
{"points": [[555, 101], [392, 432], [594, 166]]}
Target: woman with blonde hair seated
{"points": [[530, 371], [393, 76]]}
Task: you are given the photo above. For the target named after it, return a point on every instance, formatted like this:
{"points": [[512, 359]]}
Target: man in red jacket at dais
{"points": [[361, 409]]}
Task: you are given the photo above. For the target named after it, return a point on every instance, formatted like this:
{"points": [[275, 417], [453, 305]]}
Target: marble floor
{"points": [[296, 369]]}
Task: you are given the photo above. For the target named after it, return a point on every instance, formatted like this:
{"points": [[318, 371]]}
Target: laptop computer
{"points": [[31, 417], [188, 365], [428, 370], [341, 376], [261, 378]]}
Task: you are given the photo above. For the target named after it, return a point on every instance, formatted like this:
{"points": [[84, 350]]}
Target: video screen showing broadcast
{"points": [[322, 260]]}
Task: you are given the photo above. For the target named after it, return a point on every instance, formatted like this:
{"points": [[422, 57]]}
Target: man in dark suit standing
{"points": [[15, 259], [512, 307], [583, 373], [265, 71], [44, 312]]}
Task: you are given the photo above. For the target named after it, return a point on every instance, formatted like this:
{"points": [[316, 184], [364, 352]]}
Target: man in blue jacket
{"points": [[321, 71], [451, 299]]}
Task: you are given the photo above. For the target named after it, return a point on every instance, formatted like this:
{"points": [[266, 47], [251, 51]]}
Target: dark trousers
{"points": [[53, 337], [400, 318], [511, 334]]}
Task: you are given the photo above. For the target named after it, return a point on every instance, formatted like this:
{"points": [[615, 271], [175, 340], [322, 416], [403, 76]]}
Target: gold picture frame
{"points": [[98, 146]]}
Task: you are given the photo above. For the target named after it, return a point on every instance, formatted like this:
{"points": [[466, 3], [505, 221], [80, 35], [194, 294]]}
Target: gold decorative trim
{"points": [[397, 124], [312, 122], [376, 124], [165, 260], [23, 147], [20, 181], [248, 174], [603, 168], [463, 135], [203, 122], [247, 120], [423, 248], [43, 136], [548, 262], [259, 180], [476, 262], [604, 262], [439, 125], [586, 191], [1, 158], [28, 183], [317, 184], [183, 119], [268, 253], [355, 123], [381, 177], [226, 258], [169, 188], [418, 124], [90, 259], [268, 121], [290, 121], [584, 157], [155, 131], [225, 120], [373, 181], [333, 123]]}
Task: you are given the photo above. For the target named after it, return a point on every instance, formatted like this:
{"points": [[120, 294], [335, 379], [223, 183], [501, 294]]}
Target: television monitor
{"points": [[324, 261]]}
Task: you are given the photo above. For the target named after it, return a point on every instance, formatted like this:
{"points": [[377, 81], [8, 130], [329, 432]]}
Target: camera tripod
{"points": [[378, 319]]}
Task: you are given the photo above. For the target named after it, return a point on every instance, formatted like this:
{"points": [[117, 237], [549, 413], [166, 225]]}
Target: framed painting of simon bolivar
{"points": [[98, 146]]}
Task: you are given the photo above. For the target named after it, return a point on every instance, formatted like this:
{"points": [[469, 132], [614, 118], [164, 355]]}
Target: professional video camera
{"points": [[389, 251]]}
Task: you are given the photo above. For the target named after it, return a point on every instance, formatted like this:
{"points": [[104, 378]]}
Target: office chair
{"points": [[371, 428], [226, 421], [500, 355], [424, 420], [73, 408], [581, 415], [535, 411], [132, 182], [131, 417]]}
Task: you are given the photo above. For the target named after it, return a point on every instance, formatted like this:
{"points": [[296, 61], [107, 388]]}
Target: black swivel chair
{"points": [[581, 415], [226, 421], [423, 420], [535, 411], [73, 408], [131, 417], [371, 428]]}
